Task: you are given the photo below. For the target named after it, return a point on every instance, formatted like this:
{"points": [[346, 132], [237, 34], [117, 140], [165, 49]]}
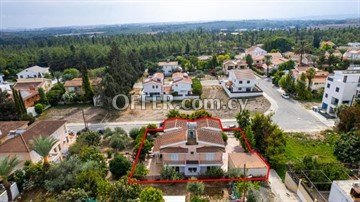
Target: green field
{"points": [[298, 146]]}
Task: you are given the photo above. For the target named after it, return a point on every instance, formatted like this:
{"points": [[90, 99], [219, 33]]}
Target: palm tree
{"points": [[300, 49], [7, 166], [43, 145], [342, 51], [244, 186], [268, 63], [310, 74]]}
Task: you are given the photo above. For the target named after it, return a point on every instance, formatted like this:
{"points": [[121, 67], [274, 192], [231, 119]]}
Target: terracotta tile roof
{"points": [[77, 82], [7, 126], [249, 159], [22, 143], [209, 149], [244, 74], [157, 77], [181, 77], [28, 85], [26, 94], [210, 136], [175, 150], [170, 137]]}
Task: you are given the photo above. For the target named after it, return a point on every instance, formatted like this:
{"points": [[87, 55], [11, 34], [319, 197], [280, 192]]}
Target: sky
{"points": [[56, 13]]}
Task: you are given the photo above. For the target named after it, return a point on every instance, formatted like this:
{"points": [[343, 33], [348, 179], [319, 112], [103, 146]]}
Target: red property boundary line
{"points": [[161, 129]]}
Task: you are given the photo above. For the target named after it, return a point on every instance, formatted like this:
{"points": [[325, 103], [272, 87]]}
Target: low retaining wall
{"points": [[14, 191], [241, 94]]}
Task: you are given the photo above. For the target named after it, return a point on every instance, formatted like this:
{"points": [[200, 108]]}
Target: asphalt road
{"points": [[290, 115]]}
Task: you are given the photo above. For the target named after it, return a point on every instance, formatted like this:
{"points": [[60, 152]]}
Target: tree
{"points": [[42, 146], [90, 138], [89, 180], [302, 92], [19, 103], [310, 74], [140, 171], [7, 106], [243, 118], [86, 85], [73, 195], [301, 48], [121, 190], [173, 114], [43, 99], [187, 48], [119, 141], [39, 108], [134, 132], [244, 186], [195, 188], [70, 74], [7, 165], [150, 194], [119, 165], [196, 86], [349, 117], [342, 51], [316, 40], [268, 63], [249, 61], [278, 43], [287, 84], [347, 148]]}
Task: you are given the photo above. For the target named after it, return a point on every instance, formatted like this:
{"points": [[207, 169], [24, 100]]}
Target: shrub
{"points": [[119, 165], [196, 86], [224, 137], [196, 188], [39, 108], [73, 195], [214, 172], [118, 141], [140, 171], [134, 132], [150, 194], [347, 148], [169, 173]]}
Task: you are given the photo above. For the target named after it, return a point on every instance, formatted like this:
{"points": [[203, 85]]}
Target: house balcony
{"points": [[192, 159]]}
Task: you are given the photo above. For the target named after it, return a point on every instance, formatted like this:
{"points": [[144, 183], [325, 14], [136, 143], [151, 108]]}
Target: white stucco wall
{"points": [[152, 87]]}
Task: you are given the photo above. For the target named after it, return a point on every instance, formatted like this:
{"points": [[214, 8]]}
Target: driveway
{"points": [[290, 115]]}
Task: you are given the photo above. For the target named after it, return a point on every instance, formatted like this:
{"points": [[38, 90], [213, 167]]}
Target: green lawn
{"points": [[298, 146]]}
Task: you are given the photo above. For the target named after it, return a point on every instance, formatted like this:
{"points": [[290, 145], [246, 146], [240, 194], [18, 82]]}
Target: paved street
{"points": [[289, 114]]}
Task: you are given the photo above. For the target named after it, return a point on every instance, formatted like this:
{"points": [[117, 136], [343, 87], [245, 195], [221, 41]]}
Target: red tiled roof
{"points": [[7, 126], [208, 149], [244, 74], [211, 136], [175, 150], [157, 77], [27, 85], [22, 143]]}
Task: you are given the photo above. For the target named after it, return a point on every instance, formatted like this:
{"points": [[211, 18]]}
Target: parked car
{"points": [[315, 108], [285, 96]]}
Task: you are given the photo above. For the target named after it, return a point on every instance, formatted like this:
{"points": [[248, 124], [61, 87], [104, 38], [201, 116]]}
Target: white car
{"points": [[285, 96]]}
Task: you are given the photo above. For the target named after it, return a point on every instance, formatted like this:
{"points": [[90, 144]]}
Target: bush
{"points": [[169, 173], [214, 172], [150, 194], [224, 137], [119, 165], [195, 188], [73, 195], [39, 108], [118, 141], [196, 86], [134, 132], [347, 148], [140, 171]]}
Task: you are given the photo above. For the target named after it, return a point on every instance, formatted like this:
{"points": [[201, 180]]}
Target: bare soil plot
{"points": [[73, 113]]}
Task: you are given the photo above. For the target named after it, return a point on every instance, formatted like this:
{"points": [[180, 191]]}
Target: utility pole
{"points": [[85, 123]]}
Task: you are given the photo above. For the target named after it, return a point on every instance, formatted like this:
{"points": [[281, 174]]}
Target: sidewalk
{"points": [[279, 189]]}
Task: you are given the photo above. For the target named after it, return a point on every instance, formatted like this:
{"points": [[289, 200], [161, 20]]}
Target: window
{"points": [[21, 77], [328, 85], [345, 79], [153, 87], [192, 170], [177, 169], [192, 152], [248, 81], [326, 95], [210, 156], [174, 157], [337, 89], [240, 82]]}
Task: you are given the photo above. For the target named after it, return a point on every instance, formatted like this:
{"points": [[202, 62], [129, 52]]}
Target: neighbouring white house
{"points": [[233, 64], [33, 72], [241, 83], [153, 85], [169, 67], [181, 84], [20, 144], [342, 88], [352, 55], [345, 191]]}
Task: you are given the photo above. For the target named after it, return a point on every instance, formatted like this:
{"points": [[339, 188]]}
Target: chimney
{"points": [[191, 133]]}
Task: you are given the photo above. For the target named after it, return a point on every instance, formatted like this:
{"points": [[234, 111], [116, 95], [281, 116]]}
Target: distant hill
{"points": [[153, 28]]}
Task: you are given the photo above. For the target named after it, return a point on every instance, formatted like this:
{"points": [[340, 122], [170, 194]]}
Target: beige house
{"points": [[191, 147], [249, 164], [233, 64], [75, 85], [20, 145]]}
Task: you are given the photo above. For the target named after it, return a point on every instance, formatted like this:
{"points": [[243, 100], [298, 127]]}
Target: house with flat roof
{"points": [[33, 72], [168, 67], [345, 190], [248, 164], [342, 88], [20, 144]]}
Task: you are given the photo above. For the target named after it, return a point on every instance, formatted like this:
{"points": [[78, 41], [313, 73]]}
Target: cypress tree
{"points": [[21, 104], [89, 94]]}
